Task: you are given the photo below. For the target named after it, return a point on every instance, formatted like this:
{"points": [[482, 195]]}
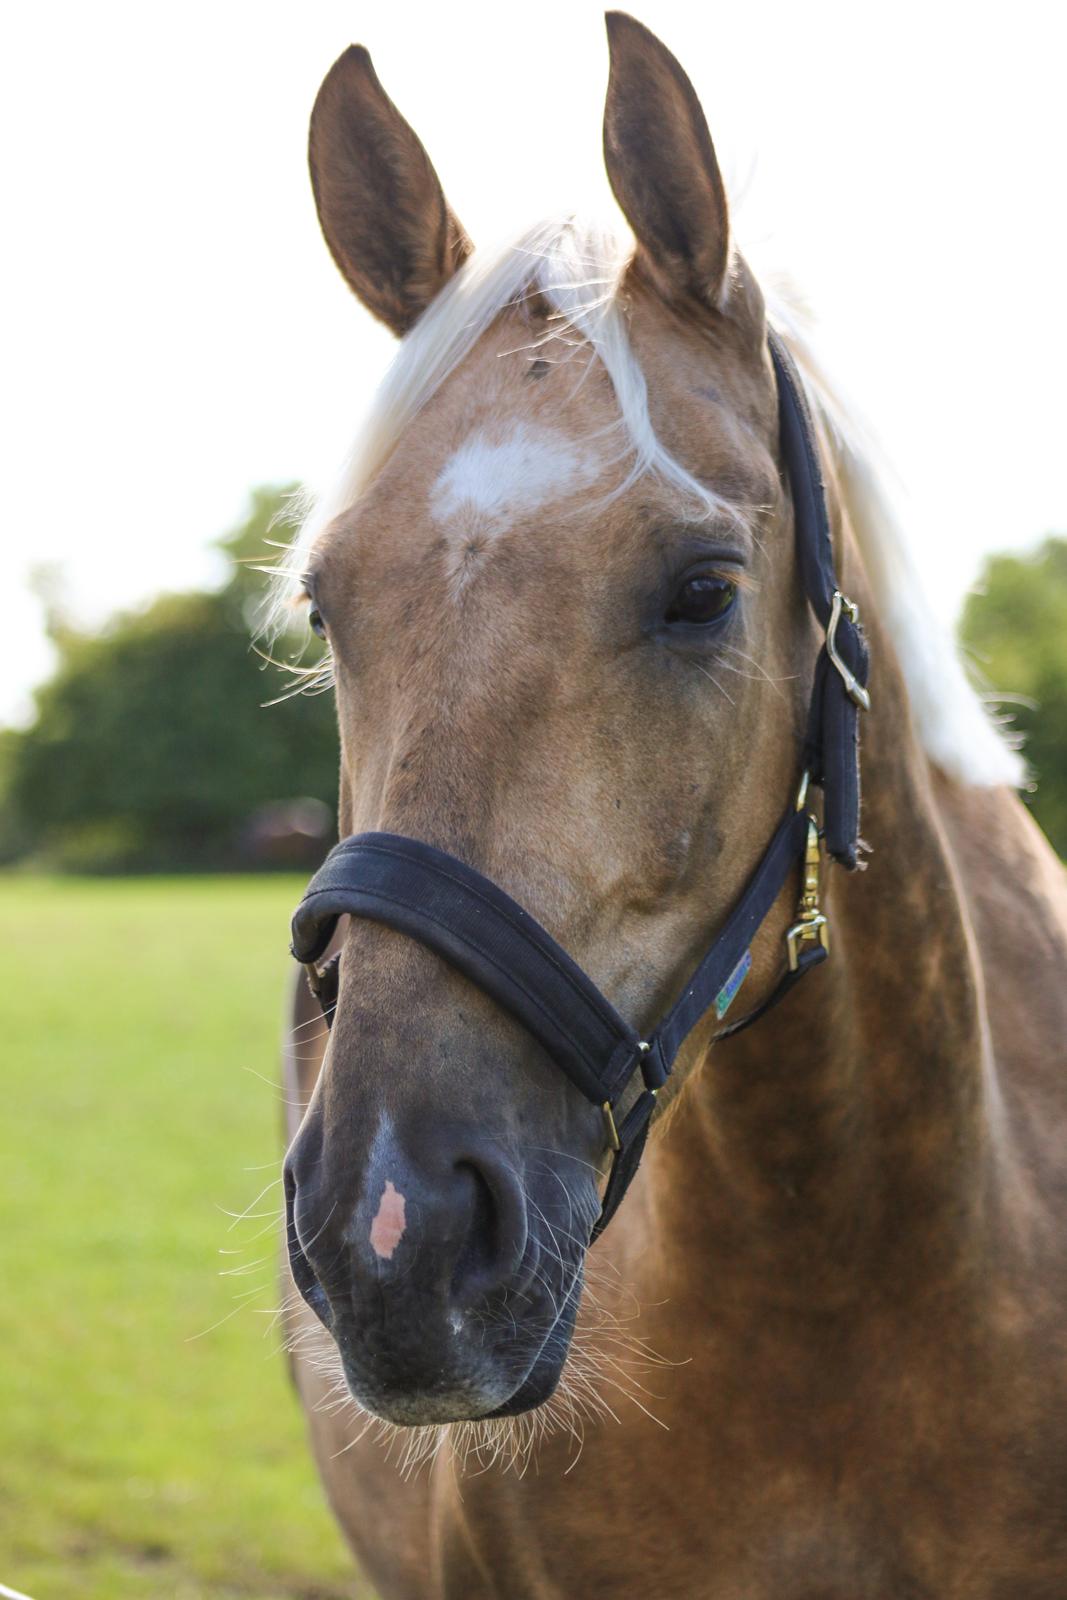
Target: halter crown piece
{"points": [[470, 922]]}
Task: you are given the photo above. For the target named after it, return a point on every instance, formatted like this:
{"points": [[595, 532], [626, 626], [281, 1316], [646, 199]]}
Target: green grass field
{"points": [[149, 1442]]}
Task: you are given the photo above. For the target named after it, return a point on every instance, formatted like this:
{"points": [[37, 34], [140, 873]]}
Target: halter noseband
{"points": [[481, 931]]}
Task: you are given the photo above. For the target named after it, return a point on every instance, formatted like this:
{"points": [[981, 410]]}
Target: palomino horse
{"points": [[822, 1349]]}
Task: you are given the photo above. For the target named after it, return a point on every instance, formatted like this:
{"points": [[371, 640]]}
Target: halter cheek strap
{"points": [[476, 927]]}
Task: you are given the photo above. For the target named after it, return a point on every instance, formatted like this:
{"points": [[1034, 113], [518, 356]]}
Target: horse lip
{"points": [[529, 1394]]}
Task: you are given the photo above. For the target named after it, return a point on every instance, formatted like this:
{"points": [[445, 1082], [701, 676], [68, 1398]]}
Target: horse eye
{"points": [[702, 598], [315, 622]]}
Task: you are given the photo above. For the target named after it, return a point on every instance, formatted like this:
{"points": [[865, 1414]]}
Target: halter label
{"points": [[728, 993]]}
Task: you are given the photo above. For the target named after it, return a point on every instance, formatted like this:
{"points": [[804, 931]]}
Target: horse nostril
{"points": [[495, 1242], [475, 1261], [450, 1226], [304, 1275]]}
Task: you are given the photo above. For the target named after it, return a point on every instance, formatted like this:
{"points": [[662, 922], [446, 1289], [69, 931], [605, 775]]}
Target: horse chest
{"points": [[913, 1489], [876, 1535]]}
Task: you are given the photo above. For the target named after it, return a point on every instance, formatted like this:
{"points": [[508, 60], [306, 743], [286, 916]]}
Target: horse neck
{"points": [[811, 1155]]}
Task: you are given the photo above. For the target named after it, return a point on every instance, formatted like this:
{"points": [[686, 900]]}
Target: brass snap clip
{"points": [[811, 926]]}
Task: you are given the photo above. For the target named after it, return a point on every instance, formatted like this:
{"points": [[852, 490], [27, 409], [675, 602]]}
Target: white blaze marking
{"points": [[489, 482], [387, 1229]]}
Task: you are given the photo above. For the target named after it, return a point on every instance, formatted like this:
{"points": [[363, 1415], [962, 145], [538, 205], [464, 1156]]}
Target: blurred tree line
{"points": [[153, 748], [1014, 627]]}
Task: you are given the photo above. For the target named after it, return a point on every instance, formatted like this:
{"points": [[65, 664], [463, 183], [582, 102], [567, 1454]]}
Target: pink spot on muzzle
{"points": [[387, 1229]]}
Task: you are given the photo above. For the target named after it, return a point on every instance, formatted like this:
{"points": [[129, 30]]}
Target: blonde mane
{"points": [[576, 268]]}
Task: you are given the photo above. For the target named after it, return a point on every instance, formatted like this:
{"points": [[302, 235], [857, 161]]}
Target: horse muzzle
{"points": [[443, 1287]]}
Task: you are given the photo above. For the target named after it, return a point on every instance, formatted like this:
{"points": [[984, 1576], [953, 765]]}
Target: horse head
{"points": [[571, 649]]}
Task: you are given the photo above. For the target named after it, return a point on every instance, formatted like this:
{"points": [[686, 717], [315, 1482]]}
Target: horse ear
{"points": [[662, 168], [379, 199]]}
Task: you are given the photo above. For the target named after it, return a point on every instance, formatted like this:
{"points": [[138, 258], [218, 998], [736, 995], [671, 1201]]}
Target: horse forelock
{"points": [[573, 269]]}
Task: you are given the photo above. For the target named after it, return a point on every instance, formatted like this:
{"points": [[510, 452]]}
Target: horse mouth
{"points": [[414, 1392], [546, 1369]]}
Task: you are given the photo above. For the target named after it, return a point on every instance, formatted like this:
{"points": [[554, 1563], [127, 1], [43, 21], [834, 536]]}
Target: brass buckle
{"points": [[811, 926], [614, 1142], [855, 690]]}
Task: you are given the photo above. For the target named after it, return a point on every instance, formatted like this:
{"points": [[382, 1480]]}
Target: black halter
{"points": [[471, 923]]}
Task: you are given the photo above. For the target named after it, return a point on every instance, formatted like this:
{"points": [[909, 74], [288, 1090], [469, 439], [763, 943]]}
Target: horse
{"points": [[822, 1349]]}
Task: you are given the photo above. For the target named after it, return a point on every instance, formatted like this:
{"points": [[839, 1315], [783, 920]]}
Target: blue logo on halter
{"points": [[728, 993]]}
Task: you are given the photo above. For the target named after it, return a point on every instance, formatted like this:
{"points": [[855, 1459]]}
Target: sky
{"points": [[173, 331]]}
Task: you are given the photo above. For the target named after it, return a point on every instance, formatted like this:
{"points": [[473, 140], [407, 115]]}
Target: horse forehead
{"points": [[500, 473]]}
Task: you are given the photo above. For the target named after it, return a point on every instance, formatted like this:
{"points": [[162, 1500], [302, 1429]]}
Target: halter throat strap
{"points": [[477, 927]]}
